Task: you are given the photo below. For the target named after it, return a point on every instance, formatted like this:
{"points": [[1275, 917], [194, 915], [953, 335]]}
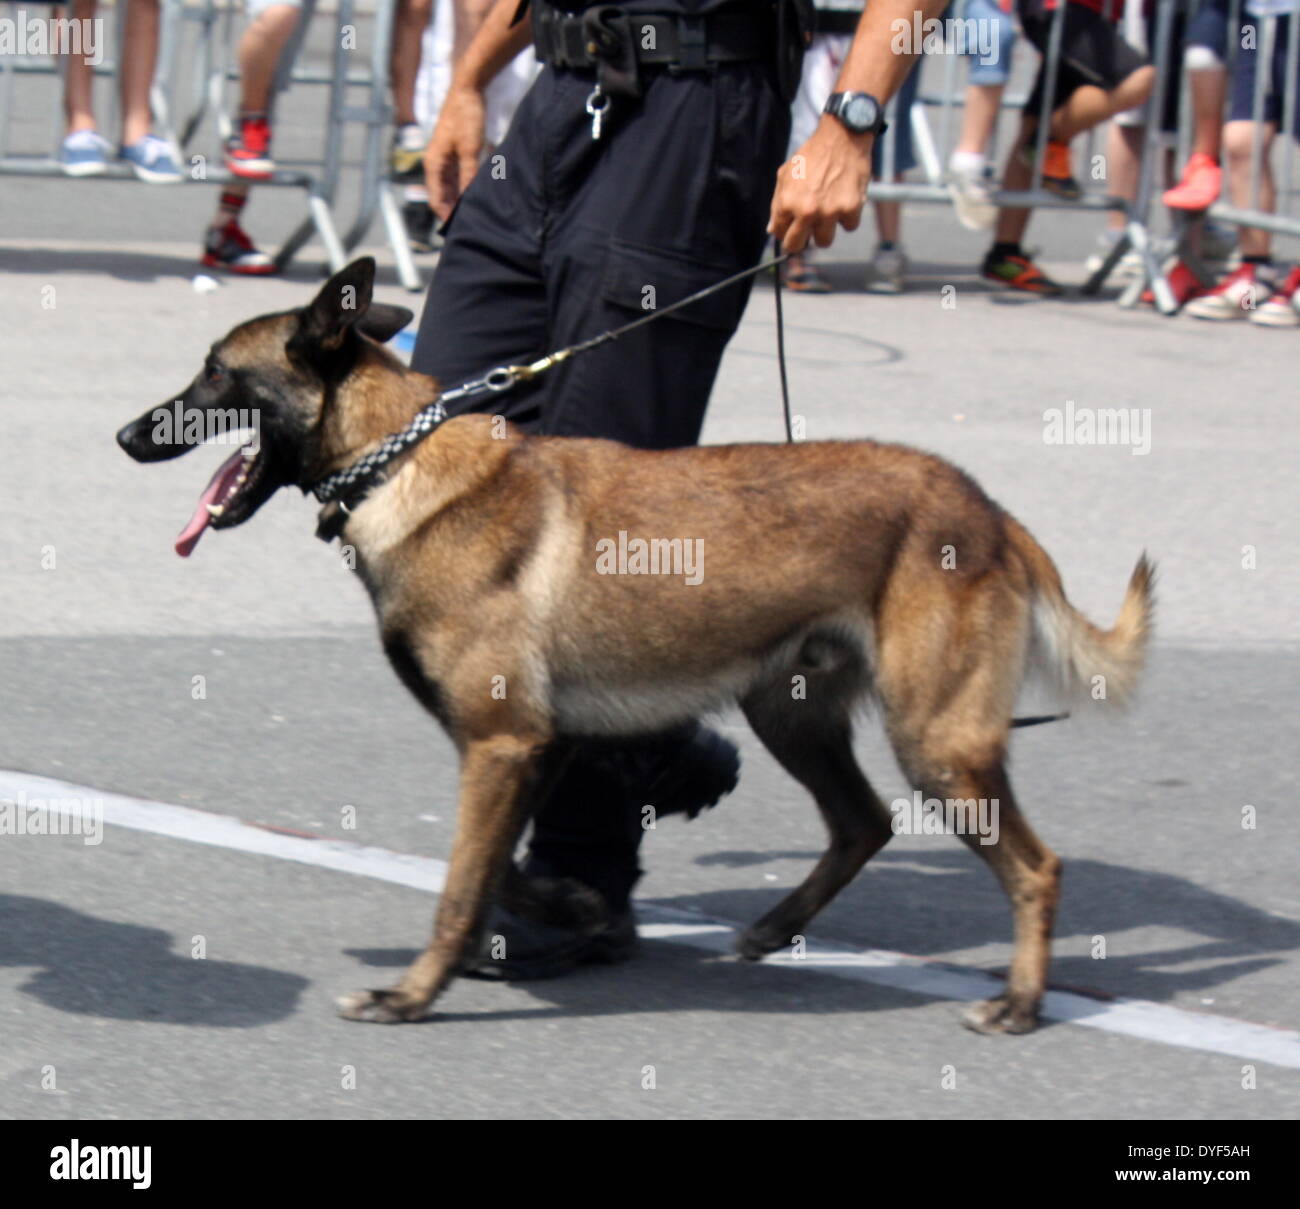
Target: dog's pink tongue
{"points": [[222, 481]]}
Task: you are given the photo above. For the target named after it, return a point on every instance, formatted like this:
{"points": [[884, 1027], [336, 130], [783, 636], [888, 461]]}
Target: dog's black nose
{"points": [[127, 436]]}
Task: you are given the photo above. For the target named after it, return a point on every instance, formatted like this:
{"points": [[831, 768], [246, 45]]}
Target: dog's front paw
{"points": [[380, 1007], [999, 1016], [756, 942]]}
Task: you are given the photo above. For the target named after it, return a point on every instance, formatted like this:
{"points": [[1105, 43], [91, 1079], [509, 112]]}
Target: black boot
{"points": [[588, 831]]}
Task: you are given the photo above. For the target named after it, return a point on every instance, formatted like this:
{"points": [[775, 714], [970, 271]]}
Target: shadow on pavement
{"points": [[135, 266], [1099, 900], [94, 967]]}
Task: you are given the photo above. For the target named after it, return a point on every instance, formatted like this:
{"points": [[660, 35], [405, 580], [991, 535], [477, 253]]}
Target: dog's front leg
{"points": [[495, 779]]}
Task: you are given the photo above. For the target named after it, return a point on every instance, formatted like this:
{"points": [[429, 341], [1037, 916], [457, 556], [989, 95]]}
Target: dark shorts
{"points": [[1242, 107], [1209, 27], [1092, 53]]}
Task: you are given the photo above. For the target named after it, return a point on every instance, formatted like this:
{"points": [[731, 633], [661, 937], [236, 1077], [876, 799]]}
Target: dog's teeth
{"points": [[215, 509], [241, 480]]}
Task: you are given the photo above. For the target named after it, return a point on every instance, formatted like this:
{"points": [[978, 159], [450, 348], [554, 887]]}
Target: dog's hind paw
{"points": [[998, 1016], [380, 1007], [756, 942]]}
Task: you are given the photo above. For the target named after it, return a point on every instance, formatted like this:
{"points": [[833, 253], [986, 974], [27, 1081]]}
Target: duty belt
{"points": [[608, 34]]}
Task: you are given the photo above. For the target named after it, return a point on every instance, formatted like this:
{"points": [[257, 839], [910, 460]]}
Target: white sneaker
{"points": [[1283, 309], [885, 273], [972, 198], [1237, 296]]}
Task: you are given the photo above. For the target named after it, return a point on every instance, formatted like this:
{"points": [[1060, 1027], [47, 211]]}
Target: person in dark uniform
{"points": [[638, 169]]}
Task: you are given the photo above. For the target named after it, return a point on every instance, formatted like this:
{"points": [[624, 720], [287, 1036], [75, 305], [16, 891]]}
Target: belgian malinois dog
{"points": [[513, 579]]}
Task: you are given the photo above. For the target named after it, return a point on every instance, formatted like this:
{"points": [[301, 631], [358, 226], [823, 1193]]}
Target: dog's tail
{"points": [[1086, 661]]}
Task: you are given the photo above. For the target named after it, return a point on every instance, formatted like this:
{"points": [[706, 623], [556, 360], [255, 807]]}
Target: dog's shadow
{"points": [[963, 909], [117, 971]]}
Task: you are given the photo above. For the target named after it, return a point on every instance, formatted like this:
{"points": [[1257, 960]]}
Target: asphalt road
{"points": [[302, 720]]}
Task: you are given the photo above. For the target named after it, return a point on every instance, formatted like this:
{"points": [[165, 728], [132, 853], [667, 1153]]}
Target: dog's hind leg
{"points": [[1030, 873], [947, 679], [495, 791], [813, 742], [960, 762]]}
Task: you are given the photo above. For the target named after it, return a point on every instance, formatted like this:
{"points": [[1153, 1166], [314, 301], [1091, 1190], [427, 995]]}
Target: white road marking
{"points": [[1128, 1017]]}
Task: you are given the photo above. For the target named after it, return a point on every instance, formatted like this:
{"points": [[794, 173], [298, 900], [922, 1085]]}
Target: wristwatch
{"points": [[860, 112]]}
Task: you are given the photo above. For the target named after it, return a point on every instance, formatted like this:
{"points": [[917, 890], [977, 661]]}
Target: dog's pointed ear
{"points": [[382, 322], [341, 303]]}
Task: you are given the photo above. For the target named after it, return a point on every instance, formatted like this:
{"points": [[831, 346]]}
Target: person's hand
{"points": [[452, 156], [822, 186]]}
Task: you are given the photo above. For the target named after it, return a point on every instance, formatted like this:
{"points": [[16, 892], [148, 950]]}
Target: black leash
{"points": [[780, 341]]}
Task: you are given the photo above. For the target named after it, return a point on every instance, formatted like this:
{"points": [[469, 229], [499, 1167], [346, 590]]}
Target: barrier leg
{"points": [[407, 273]]}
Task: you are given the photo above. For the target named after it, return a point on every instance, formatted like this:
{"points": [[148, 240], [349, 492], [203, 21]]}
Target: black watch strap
{"points": [[839, 102]]}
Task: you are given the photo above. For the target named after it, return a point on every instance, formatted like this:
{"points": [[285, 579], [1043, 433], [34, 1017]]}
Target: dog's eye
{"points": [[214, 373]]}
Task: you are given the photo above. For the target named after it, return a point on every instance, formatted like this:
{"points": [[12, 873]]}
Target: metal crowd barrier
{"points": [[212, 69], [1251, 215], [1186, 227]]}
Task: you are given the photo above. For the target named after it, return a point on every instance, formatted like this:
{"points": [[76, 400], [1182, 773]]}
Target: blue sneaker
{"points": [[84, 153], [151, 160]]}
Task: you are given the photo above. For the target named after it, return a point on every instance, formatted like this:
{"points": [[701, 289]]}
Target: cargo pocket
{"points": [[642, 280]]}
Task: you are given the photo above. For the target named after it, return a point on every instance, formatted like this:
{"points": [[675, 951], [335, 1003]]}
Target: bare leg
{"points": [[78, 84], [1237, 138], [983, 103], [1013, 220], [889, 220], [411, 21], [1124, 160], [1208, 89], [139, 60], [259, 54], [1088, 106]]}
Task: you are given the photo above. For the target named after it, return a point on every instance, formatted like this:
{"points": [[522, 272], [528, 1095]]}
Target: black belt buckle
{"points": [[692, 44]]}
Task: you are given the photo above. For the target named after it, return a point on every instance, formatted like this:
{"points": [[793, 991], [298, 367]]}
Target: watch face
{"points": [[860, 113]]}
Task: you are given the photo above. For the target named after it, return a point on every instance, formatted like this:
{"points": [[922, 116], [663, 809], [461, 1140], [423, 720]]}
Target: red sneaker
{"points": [[248, 150], [1235, 297], [1184, 284], [1199, 188], [230, 248]]}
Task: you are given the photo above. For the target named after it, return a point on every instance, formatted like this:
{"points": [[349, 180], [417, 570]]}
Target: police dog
{"points": [[514, 581]]}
